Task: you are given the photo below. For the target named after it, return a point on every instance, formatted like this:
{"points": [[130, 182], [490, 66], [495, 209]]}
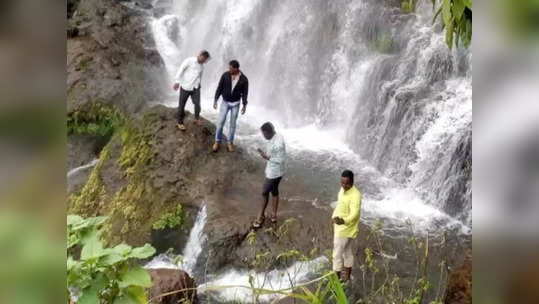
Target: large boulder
{"points": [[169, 281]]}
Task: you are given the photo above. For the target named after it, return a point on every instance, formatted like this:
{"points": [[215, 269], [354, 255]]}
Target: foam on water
{"points": [[297, 273]]}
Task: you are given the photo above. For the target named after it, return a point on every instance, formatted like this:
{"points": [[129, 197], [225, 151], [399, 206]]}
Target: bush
{"points": [[103, 275], [95, 118], [175, 218]]}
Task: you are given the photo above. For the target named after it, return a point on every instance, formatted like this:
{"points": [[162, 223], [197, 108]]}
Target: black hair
{"points": [[205, 54], [234, 63], [349, 174], [267, 127]]}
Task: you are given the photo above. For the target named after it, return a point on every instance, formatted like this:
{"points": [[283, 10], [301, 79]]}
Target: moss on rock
{"points": [[96, 118], [93, 196]]}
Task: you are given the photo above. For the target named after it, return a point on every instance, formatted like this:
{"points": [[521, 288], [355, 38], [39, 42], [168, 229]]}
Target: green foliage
{"points": [[103, 275], [96, 118], [130, 204], [456, 18], [92, 197], [175, 218], [457, 21]]}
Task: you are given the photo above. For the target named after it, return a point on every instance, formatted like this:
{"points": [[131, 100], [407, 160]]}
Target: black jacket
{"points": [[240, 90]]}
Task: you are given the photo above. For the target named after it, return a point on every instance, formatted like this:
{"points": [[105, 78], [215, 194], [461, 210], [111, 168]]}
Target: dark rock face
{"points": [[458, 202], [170, 280], [111, 56], [459, 287], [81, 149]]}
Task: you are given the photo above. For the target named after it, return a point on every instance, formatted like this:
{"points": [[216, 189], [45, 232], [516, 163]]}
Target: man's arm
{"points": [[245, 93], [355, 208], [219, 90], [244, 96], [182, 69]]}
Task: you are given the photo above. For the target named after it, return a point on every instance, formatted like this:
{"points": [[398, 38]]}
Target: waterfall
{"points": [[192, 249], [76, 170], [295, 274], [381, 80]]}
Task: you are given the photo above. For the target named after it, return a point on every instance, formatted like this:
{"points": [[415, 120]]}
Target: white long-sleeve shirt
{"points": [[190, 74], [276, 151]]}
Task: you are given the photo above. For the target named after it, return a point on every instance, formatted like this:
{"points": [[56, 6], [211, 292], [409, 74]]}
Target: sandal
{"points": [[273, 219], [258, 222]]}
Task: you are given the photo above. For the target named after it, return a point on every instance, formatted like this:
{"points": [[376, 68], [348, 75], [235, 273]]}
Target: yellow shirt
{"points": [[348, 208]]}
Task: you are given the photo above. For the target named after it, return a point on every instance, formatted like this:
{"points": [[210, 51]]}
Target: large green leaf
{"points": [[143, 252], [449, 34], [468, 3], [73, 219], [89, 295], [112, 258], [122, 249], [93, 248], [90, 222], [446, 12], [132, 295], [458, 9], [137, 276], [87, 235]]}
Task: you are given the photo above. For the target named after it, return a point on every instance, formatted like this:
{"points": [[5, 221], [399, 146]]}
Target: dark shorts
{"points": [[271, 185]]}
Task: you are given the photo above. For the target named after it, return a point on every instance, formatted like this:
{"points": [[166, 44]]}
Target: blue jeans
{"points": [[223, 112]]}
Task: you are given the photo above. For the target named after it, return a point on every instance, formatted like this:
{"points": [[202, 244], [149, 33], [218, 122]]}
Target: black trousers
{"points": [[195, 98], [271, 185]]}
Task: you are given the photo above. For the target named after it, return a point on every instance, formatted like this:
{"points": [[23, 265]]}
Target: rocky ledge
{"points": [[149, 167]]}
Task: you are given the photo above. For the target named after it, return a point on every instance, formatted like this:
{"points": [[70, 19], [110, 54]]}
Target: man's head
{"points": [[203, 56], [234, 67], [347, 179], [267, 130]]}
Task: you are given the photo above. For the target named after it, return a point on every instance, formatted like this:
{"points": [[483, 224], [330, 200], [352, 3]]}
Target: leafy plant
{"points": [[103, 275], [456, 18], [175, 218], [96, 118], [457, 21]]}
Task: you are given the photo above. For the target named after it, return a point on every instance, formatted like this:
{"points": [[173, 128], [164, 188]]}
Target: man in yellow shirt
{"points": [[346, 225]]}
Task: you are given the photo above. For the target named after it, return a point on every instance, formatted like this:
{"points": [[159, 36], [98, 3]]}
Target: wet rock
{"points": [[170, 280], [459, 287], [126, 71]]}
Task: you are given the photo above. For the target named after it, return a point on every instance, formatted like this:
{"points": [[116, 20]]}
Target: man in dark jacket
{"points": [[233, 86]]}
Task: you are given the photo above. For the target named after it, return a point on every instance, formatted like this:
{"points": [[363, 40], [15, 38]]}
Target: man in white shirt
{"points": [[188, 79], [275, 155]]}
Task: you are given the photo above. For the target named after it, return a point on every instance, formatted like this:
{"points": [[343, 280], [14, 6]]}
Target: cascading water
{"points": [[76, 170], [192, 249], [354, 82], [277, 279]]}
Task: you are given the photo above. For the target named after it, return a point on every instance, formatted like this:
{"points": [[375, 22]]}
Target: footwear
{"points": [[215, 147], [258, 222], [181, 126], [273, 219], [230, 147]]}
